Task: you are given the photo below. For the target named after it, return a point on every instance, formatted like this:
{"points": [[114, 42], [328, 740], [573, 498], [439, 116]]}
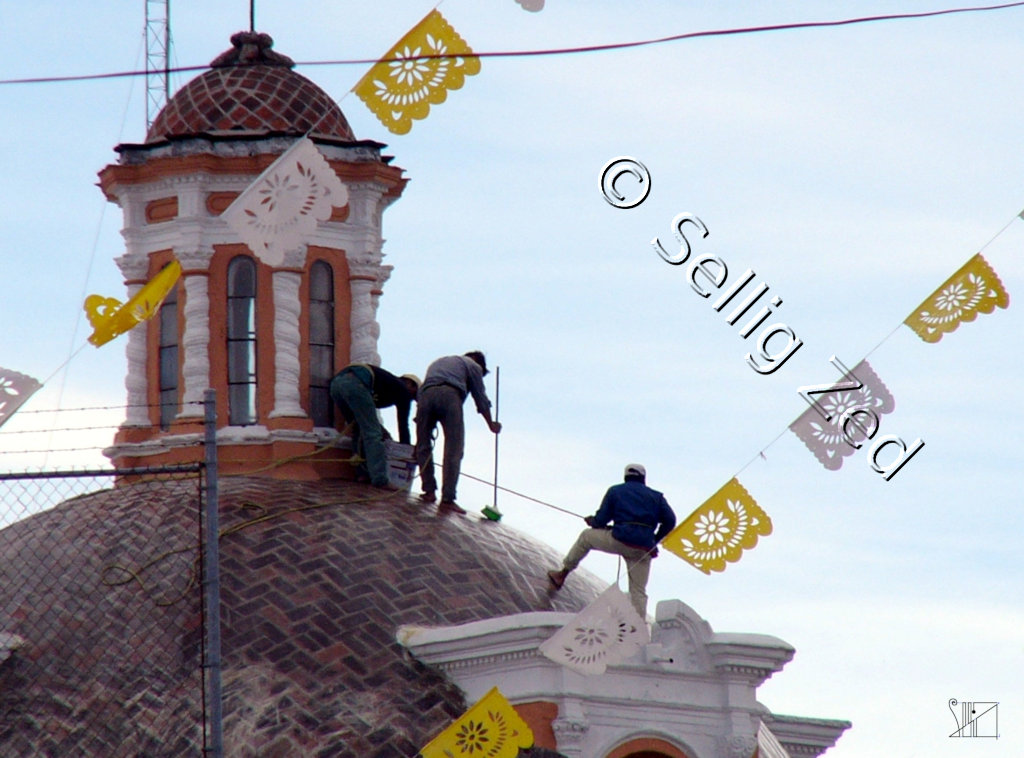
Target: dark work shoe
{"points": [[449, 506], [427, 497], [558, 578]]}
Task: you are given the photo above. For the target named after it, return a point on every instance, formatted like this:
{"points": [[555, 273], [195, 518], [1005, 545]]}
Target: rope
{"points": [[560, 51]]}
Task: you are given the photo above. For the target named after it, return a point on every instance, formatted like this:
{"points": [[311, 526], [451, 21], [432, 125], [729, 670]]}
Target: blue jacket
{"points": [[641, 516]]}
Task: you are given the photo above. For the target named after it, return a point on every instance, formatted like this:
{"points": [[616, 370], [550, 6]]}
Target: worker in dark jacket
{"points": [[640, 519], [359, 390], [447, 384]]}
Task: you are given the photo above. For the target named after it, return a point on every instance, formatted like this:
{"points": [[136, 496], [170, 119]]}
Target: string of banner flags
{"points": [[608, 630], [730, 521], [305, 188], [399, 89]]}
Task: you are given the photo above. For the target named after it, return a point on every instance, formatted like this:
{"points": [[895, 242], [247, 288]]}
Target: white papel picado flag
{"points": [[279, 210]]}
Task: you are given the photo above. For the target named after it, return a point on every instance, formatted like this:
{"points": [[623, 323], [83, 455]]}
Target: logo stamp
{"points": [[975, 719]]}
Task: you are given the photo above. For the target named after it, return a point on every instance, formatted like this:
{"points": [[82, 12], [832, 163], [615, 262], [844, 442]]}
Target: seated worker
{"points": [[359, 390], [641, 518]]}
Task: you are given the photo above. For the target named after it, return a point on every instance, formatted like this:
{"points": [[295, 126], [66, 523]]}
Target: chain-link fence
{"points": [[101, 613]]}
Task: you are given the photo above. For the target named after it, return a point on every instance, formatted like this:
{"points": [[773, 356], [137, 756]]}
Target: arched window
{"points": [[647, 747], [321, 343], [241, 341], [167, 358]]}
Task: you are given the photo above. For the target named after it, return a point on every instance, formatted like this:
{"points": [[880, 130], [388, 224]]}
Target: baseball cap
{"points": [[635, 469]]}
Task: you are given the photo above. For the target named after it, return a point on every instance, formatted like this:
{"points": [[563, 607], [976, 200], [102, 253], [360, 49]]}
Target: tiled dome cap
{"points": [[250, 88]]}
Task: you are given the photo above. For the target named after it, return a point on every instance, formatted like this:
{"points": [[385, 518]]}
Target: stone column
{"points": [[364, 278], [195, 338], [287, 337], [134, 269]]}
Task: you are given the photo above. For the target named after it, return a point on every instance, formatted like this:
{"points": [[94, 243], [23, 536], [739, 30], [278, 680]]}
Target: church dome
{"points": [[250, 88], [316, 578]]}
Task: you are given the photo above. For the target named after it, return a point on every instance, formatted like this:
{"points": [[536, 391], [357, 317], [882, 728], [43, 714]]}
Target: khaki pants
{"points": [[638, 562]]}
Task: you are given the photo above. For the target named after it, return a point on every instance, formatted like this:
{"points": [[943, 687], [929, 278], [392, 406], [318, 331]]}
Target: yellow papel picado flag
{"points": [[401, 86], [490, 729], [109, 318], [728, 523], [974, 288]]}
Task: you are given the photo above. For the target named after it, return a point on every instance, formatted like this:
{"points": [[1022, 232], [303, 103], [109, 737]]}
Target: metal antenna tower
{"points": [[158, 48]]}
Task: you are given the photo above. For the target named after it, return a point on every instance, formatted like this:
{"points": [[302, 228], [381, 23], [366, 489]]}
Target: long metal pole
{"points": [[497, 413], [211, 560]]}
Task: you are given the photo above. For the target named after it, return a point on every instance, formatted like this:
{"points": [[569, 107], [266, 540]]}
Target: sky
{"points": [[853, 168]]}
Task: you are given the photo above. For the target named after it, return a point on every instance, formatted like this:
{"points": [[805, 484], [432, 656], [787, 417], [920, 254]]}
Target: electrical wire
{"points": [[734, 31]]}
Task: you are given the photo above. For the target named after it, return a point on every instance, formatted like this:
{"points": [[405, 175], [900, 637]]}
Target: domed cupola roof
{"points": [[250, 88], [315, 580]]}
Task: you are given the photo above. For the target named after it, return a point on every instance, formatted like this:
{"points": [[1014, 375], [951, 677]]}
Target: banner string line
{"points": [[562, 50], [761, 452], [319, 450]]}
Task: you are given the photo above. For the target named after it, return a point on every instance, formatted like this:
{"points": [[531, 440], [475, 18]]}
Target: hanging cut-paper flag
{"points": [[607, 631], [283, 206], [974, 288], [728, 523], [768, 745], [419, 70], [825, 438], [109, 318], [15, 390], [490, 729]]}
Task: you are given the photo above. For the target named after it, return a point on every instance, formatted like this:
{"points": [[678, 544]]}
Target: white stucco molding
{"points": [[287, 338], [802, 736], [366, 277], [134, 269], [691, 686], [256, 434], [195, 338]]}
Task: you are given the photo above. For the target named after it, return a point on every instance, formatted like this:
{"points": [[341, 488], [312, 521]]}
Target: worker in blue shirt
{"points": [[640, 518]]}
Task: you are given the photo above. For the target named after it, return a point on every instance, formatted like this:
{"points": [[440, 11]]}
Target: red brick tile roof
{"points": [[250, 88], [316, 578]]}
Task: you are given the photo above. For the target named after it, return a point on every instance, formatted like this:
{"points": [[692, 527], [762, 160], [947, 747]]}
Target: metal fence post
{"points": [[211, 559]]}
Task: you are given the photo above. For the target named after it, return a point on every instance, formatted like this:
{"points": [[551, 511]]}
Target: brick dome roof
{"points": [[316, 578], [250, 88]]}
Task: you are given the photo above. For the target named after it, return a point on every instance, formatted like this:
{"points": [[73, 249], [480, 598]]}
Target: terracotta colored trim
{"points": [[218, 202], [217, 290], [162, 209], [647, 747], [157, 260], [342, 314], [206, 163], [539, 716], [266, 344], [294, 461]]}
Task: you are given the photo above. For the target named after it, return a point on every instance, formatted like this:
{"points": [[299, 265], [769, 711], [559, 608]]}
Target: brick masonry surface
{"points": [[316, 578], [250, 98]]}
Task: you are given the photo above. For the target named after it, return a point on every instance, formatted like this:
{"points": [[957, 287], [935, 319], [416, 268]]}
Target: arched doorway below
{"points": [[647, 747]]}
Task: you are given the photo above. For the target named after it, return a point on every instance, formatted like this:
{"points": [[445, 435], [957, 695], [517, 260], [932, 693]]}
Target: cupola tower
{"points": [[267, 338]]}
